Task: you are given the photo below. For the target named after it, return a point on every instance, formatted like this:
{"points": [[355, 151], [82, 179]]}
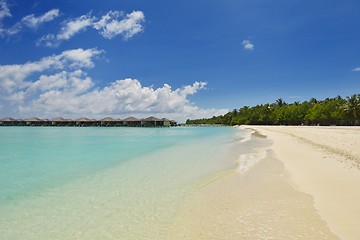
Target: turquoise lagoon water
{"points": [[104, 183]]}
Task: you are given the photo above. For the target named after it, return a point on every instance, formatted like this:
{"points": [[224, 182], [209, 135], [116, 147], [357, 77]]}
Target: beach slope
{"points": [[324, 163]]}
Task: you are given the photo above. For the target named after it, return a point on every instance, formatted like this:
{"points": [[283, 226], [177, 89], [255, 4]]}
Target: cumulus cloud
{"points": [[247, 45], [29, 21], [357, 69], [109, 26], [14, 77], [112, 24], [125, 96], [65, 89]]}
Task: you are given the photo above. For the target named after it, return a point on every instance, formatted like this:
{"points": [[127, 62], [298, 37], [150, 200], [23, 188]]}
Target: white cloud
{"points": [[72, 27], [45, 83], [33, 22], [121, 98], [4, 10], [248, 45], [356, 69], [68, 91], [79, 58], [48, 40], [69, 29], [13, 77], [29, 21], [109, 26]]}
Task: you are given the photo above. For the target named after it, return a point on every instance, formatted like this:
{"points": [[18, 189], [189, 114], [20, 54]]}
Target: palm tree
{"points": [[313, 101], [352, 105], [280, 102]]}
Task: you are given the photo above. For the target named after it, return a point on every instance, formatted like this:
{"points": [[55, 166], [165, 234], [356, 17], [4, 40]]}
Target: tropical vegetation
{"points": [[330, 111]]}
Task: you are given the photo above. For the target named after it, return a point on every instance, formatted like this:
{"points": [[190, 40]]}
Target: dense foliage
{"points": [[331, 111]]}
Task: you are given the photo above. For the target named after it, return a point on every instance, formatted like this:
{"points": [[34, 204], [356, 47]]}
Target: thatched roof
{"points": [[152, 119], [131, 119], [128, 120], [60, 119], [108, 119], [84, 119], [33, 119], [8, 119]]}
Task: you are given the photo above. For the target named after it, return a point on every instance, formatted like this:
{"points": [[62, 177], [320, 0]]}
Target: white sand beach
{"points": [[307, 187], [323, 162]]}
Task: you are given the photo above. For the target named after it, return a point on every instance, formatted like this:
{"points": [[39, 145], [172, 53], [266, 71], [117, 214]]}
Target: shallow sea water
{"points": [[104, 183], [148, 183]]}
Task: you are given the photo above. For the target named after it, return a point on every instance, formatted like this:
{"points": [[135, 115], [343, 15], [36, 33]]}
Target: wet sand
{"points": [[323, 162], [253, 201]]}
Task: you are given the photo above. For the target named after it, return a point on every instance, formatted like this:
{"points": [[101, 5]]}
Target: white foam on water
{"points": [[244, 134], [245, 162], [249, 160]]}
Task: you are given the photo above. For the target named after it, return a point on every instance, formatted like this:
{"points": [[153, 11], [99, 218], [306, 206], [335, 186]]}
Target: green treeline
{"points": [[331, 111]]}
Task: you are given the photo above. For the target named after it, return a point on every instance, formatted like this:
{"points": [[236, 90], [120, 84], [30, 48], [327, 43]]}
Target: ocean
{"points": [[107, 183]]}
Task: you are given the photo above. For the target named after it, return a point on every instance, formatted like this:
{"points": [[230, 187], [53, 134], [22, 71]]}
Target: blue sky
{"points": [[213, 55]]}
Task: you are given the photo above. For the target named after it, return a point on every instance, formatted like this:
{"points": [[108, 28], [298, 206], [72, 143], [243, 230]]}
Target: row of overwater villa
{"points": [[86, 122]]}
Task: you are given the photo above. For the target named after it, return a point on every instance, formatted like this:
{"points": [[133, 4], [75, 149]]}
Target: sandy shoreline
{"points": [[304, 187], [257, 182], [323, 162]]}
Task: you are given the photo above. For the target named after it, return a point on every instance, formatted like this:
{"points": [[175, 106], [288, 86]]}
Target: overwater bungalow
{"points": [[168, 123], [61, 122], [87, 122], [35, 122], [110, 122], [8, 122], [132, 122], [152, 122]]}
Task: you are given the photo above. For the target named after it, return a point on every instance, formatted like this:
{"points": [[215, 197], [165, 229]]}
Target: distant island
{"points": [[331, 111], [86, 122]]}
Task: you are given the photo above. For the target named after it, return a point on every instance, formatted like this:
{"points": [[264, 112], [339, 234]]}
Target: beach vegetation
{"points": [[330, 111], [352, 106]]}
